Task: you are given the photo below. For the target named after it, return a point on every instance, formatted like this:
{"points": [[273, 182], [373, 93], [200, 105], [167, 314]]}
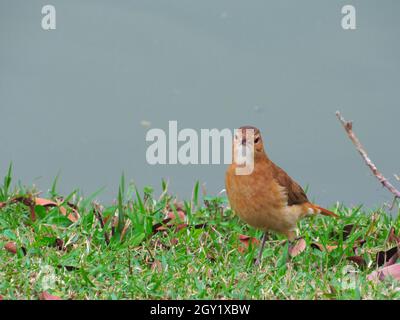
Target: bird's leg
{"points": [[264, 238], [292, 238]]}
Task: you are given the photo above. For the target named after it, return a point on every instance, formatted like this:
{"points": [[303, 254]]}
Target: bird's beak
{"points": [[244, 141]]}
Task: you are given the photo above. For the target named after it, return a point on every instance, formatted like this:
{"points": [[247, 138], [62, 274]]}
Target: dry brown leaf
{"points": [[393, 259], [125, 229], [73, 216], [297, 248], [45, 202], [161, 225], [59, 243], [247, 239], [321, 247], [393, 238], [347, 229], [11, 247], [360, 261], [383, 257], [31, 202], [181, 226], [245, 242]]}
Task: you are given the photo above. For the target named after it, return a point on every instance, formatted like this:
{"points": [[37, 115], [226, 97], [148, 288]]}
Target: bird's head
{"points": [[247, 141]]}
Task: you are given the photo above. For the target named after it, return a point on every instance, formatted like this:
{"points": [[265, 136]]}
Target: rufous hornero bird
{"points": [[266, 198]]}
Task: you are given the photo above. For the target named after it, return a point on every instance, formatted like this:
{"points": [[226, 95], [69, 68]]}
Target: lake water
{"points": [[74, 100]]}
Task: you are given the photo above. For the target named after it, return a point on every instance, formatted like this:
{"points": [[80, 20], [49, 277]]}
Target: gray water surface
{"points": [[73, 99]]}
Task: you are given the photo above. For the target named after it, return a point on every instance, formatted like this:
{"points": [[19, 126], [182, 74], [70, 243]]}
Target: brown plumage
{"points": [[267, 198]]}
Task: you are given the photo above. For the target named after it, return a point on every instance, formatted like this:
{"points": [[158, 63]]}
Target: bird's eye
{"points": [[236, 136], [256, 140]]}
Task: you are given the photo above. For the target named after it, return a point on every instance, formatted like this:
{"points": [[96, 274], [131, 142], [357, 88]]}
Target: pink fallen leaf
{"points": [[47, 296], [385, 272], [172, 215], [11, 247], [297, 248], [45, 202]]}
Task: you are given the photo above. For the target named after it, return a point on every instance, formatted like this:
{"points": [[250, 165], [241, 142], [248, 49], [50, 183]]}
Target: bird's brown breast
{"points": [[257, 198]]}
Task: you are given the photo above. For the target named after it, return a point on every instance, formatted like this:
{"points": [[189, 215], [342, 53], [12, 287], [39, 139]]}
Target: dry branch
{"points": [[348, 126]]}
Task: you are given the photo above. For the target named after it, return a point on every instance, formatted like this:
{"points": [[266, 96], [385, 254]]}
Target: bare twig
{"points": [[348, 126]]}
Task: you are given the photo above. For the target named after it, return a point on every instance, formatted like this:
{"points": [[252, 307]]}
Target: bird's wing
{"points": [[295, 193]]}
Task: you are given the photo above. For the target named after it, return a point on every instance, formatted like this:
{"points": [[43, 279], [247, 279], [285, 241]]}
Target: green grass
{"points": [[195, 262]]}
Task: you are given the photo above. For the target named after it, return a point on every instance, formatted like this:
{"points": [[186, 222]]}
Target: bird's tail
{"points": [[326, 212], [323, 211]]}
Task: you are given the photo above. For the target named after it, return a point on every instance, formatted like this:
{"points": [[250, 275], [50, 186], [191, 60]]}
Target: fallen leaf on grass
{"points": [[334, 246], [47, 296], [172, 215], [31, 202], [44, 202], [392, 260], [200, 226], [358, 260], [344, 233], [247, 239], [125, 229], [383, 273], [11, 247], [181, 226], [60, 244], [245, 242], [297, 248], [160, 226], [347, 229], [68, 268], [321, 247], [393, 238], [387, 257], [73, 216]]}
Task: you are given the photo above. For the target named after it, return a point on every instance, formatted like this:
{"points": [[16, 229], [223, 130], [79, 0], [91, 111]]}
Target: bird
{"points": [[266, 198]]}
